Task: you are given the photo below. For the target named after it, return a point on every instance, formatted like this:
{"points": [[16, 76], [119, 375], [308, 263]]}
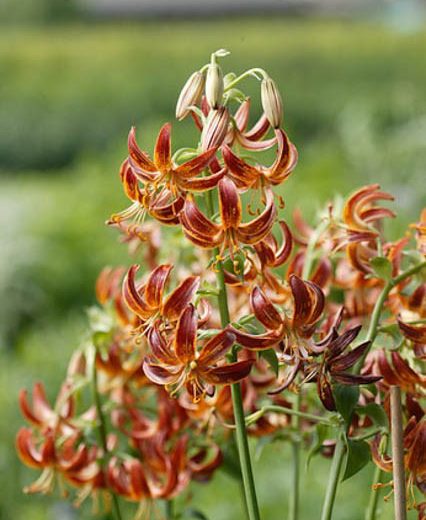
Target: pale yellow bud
{"points": [[215, 129], [214, 85], [271, 102], [190, 94]]}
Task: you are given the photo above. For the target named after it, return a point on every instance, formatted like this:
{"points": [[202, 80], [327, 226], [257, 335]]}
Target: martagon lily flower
{"points": [[147, 301], [177, 362], [246, 176], [207, 234], [162, 172]]}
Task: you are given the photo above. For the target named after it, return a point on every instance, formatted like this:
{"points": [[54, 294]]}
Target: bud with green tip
{"points": [[214, 85], [271, 102], [190, 94]]}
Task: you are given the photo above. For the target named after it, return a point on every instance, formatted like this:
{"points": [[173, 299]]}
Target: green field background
{"points": [[354, 95]]}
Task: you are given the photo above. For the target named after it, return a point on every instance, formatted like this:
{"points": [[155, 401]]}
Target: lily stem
{"points": [[400, 499], [370, 513], [333, 480], [250, 419], [237, 400], [378, 307], [293, 506], [170, 510], [102, 429]]}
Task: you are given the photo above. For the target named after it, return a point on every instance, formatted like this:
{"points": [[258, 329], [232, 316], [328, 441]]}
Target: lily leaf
{"points": [[270, 356], [358, 457], [381, 267], [346, 398], [376, 413]]}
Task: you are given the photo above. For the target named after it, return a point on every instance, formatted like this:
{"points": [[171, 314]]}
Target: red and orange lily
{"points": [[177, 362]]}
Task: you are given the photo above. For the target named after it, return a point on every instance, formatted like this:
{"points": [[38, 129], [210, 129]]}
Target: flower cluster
{"points": [[253, 320]]}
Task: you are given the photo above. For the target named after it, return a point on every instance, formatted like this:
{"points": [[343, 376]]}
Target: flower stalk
{"points": [[333, 479], [397, 436]]}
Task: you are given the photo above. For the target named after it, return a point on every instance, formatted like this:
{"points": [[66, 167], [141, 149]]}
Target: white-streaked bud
{"points": [[215, 129], [190, 94], [271, 102], [214, 85]]}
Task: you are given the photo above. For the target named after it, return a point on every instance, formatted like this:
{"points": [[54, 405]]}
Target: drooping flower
{"points": [[177, 362], [147, 300], [230, 232]]}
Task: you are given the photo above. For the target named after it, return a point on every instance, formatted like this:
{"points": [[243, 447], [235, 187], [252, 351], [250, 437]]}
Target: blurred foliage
{"points": [[36, 11], [355, 106]]}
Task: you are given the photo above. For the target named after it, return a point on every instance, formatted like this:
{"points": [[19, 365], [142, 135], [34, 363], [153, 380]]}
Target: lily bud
{"points": [[190, 94], [271, 102], [214, 85], [215, 129]]}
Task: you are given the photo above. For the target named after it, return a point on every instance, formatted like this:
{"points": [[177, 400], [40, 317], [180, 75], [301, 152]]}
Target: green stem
{"points": [[378, 307], [288, 411], [370, 513], [170, 510], [102, 429], [293, 506], [333, 480], [237, 400]]}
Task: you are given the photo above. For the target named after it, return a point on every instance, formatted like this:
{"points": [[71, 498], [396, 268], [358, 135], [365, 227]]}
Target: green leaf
{"points": [[193, 513], [261, 445], [358, 456], [270, 356], [381, 267], [346, 398], [376, 413]]}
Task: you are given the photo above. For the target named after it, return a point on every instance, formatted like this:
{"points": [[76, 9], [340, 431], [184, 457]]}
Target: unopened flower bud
{"points": [[271, 102], [214, 132], [214, 85], [190, 94]]}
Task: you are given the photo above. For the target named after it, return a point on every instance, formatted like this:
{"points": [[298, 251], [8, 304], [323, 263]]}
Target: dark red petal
{"points": [[229, 204], [195, 166], [162, 151], [186, 335], [133, 299], [228, 374], [256, 342], [180, 298], [159, 375], [264, 309], [216, 347], [155, 285], [141, 159]]}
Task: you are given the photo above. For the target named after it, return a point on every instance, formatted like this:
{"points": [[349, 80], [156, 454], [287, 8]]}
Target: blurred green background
{"points": [[354, 90]]}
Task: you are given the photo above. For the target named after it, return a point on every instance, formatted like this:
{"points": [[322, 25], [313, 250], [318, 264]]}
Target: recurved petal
{"points": [[264, 309], [340, 344], [162, 151], [140, 159], [256, 341], [243, 173], [325, 393], [346, 361], [257, 229], [229, 204], [166, 209], [186, 335], [197, 226], [228, 374], [132, 297], [180, 298], [354, 379], [216, 347], [30, 454], [286, 159], [193, 167], [301, 298], [154, 287], [158, 374], [415, 333], [159, 347], [284, 251], [202, 183]]}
